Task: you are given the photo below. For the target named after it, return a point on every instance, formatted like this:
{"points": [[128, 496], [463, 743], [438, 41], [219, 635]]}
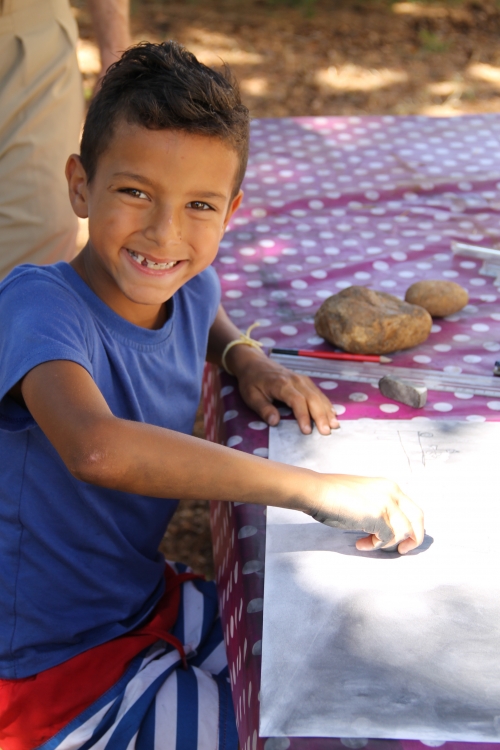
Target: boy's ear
{"points": [[233, 206], [77, 186]]}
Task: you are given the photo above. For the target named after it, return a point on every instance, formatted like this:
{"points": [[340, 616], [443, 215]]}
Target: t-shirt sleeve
{"points": [[41, 321]]}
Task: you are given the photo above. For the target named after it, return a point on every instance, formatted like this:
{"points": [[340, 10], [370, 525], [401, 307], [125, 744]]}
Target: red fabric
{"points": [[34, 709]]}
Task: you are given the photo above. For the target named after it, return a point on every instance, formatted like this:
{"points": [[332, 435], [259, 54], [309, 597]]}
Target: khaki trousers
{"points": [[41, 110]]}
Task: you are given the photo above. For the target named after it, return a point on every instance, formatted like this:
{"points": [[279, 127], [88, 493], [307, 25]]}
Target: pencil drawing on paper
{"points": [[430, 452]]}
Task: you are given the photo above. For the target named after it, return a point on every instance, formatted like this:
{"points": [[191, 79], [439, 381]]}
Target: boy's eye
{"points": [[200, 206], [135, 193]]}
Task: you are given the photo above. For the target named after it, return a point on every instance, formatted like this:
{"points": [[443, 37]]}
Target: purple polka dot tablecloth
{"points": [[330, 203]]}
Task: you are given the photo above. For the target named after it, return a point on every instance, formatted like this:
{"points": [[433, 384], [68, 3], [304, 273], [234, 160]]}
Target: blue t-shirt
{"points": [[79, 564]]}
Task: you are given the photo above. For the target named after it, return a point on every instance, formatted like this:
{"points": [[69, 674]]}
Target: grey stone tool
{"points": [[405, 393]]}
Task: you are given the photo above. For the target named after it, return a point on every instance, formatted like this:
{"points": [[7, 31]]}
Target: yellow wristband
{"points": [[243, 339]]}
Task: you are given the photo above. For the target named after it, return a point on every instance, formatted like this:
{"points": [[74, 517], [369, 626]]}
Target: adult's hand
{"points": [[110, 21]]}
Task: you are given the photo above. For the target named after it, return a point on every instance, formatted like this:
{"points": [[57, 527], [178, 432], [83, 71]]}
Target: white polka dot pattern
{"points": [[332, 202]]}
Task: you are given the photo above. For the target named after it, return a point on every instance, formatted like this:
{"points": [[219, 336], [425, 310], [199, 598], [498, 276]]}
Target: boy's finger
{"points": [[262, 405], [295, 399], [399, 541], [367, 543], [297, 402], [407, 545], [322, 413], [318, 404], [371, 543], [408, 527], [330, 413], [264, 408], [401, 527], [405, 535], [414, 515]]}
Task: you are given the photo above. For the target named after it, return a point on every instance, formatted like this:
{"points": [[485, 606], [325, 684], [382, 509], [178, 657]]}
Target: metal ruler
{"points": [[371, 372], [490, 257]]}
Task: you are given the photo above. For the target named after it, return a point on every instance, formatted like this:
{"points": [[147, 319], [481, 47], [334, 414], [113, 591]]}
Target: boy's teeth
{"points": [[151, 263]]}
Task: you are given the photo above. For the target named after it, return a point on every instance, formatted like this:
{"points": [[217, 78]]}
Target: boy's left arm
{"points": [[262, 381]]}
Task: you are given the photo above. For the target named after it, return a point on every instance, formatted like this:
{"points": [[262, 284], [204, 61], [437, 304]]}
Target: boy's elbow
{"points": [[92, 466], [90, 455]]}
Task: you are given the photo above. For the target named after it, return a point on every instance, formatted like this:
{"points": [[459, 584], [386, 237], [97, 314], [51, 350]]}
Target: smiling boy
{"points": [[102, 644]]}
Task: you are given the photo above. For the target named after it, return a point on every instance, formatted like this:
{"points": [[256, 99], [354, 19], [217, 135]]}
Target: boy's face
{"points": [[158, 206]]}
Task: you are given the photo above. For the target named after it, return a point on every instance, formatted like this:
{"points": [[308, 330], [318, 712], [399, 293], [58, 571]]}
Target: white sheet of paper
{"points": [[377, 644]]}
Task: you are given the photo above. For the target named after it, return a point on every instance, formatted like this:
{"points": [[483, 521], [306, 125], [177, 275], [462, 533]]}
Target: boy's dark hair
{"points": [[164, 87]]}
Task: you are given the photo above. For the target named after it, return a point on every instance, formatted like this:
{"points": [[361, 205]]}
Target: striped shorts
{"points": [[158, 704]]}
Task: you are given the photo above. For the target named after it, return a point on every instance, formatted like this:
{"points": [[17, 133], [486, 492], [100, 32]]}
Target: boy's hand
{"points": [[261, 381], [375, 505]]}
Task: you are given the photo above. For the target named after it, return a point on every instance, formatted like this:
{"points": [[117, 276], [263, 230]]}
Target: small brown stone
{"points": [[439, 298], [362, 321]]}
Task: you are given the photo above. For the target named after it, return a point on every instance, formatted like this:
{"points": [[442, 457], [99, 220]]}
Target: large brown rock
{"points": [[365, 322], [439, 298]]}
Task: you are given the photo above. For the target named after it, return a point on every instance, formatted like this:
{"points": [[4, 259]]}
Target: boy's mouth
{"points": [[141, 260]]}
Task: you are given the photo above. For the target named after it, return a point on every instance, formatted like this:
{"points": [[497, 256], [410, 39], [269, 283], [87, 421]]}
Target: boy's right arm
{"points": [[102, 449]]}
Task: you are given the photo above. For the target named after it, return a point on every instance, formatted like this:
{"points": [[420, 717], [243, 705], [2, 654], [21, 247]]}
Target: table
{"points": [[331, 202]]}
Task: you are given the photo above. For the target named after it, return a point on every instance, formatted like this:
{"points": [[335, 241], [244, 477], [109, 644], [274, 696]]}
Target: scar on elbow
{"points": [[90, 466], [96, 457]]}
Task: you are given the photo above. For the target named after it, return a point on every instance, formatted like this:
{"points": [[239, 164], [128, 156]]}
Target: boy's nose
{"points": [[164, 227]]}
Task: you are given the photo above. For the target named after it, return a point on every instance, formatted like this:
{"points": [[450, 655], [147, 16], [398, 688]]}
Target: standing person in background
{"points": [[41, 111]]}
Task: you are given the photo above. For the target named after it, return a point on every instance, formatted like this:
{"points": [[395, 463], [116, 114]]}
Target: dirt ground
{"points": [[323, 57], [334, 56]]}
